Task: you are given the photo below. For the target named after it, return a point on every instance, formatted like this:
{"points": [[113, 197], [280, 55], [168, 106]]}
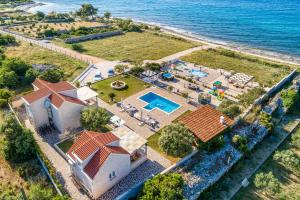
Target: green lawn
{"points": [[134, 86], [33, 54], [66, 145], [135, 47], [265, 72], [153, 140]]}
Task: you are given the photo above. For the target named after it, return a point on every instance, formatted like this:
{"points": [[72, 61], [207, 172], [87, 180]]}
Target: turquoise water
{"points": [[155, 101], [197, 72], [268, 24]]}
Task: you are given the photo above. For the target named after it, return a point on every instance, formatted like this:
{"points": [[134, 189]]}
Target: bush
{"points": [[31, 75], [94, 119], [289, 97], [136, 71], [288, 159], [229, 108], [153, 66], [37, 192], [266, 120], [176, 140], [120, 68], [212, 145], [267, 183], [53, 75], [8, 78], [163, 186], [249, 97], [78, 47], [240, 142]]}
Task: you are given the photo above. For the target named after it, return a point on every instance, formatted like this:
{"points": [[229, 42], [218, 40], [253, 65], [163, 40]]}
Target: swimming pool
{"points": [[156, 101], [198, 72]]}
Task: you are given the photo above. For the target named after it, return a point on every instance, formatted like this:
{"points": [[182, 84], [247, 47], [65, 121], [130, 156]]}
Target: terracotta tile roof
{"points": [[95, 143], [52, 90], [205, 122]]}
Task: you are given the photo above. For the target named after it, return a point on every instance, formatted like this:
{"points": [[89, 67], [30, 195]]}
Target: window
{"points": [[112, 175]]}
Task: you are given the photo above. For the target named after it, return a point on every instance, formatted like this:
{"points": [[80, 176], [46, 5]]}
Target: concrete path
{"points": [[61, 166]]}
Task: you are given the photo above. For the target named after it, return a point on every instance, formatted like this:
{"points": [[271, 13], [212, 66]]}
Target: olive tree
{"points": [[266, 182], [176, 140], [93, 119]]}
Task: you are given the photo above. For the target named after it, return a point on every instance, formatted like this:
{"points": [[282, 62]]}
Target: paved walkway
{"points": [[62, 167]]}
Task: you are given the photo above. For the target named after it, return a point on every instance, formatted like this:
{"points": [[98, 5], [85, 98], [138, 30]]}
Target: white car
{"points": [[97, 76]]}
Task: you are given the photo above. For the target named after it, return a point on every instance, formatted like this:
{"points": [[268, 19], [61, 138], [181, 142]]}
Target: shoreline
{"points": [[241, 48]]}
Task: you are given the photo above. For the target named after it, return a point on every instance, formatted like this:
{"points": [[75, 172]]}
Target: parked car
{"points": [[97, 76], [111, 72]]}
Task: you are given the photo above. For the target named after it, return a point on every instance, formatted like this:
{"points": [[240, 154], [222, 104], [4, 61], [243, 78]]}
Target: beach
{"points": [[248, 48]]}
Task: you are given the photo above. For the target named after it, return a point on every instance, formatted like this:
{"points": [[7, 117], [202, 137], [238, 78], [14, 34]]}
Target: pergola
{"points": [[87, 95]]}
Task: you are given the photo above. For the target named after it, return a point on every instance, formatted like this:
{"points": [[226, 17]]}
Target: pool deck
{"points": [[163, 118]]}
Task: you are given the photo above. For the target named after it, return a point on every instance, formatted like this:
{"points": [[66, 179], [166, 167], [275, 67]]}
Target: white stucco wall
{"points": [[56, 118], [38, 112], [120, 164], [69, 115]]}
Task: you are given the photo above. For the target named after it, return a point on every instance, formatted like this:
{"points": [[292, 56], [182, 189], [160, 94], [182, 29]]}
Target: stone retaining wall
{"points": [[92, 37]]}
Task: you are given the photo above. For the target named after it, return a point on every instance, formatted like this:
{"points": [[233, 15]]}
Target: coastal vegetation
{"points": [[265, 72], [134, 47], [133, 86], [94, 119], [41, 56]]}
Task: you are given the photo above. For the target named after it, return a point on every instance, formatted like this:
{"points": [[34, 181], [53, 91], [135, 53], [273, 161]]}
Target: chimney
{"points": [[222, 120]]}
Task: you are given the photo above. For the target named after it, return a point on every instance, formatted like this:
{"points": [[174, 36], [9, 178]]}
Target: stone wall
{"points": [[92, 37]]}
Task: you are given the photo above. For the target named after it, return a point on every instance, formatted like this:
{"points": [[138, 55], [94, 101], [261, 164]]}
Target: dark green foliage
{"points": [[289, 98], [136, 70], [128, 25], [153, 66], [6, 40], [16, 65], [19, 144], [78, 47], [5, 95], [37, 192], [288, 159], [50, 33], [8, 78], [296, 139], [213, 144], [166, 187], [39, 15], [229, 108], [94, 119], [176, 140], [30, 75], [53, 75], [87, 10]]}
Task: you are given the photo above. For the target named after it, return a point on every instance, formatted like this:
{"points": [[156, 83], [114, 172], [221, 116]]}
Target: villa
{"points": [[55, 104], [98, 161], [206, 122]]}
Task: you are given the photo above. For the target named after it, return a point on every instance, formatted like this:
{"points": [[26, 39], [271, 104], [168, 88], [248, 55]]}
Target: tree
{"points": [[136, 70], [153, 66], [8, 78], [78, 47], [111, 96], [288, 159], [107, 15], [37, 192], [93, 119], [87, 10], [240, 142], [39, 15], [16, 65], [53, 75], [229, 108], [120, 68], [176, 140], [30, 75], [267, 183], [266, 120], [163, 186], [5, 95], [289, 97], [212, 145]]}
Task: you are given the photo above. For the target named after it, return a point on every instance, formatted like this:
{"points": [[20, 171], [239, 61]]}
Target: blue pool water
{"points": [[167, 75], [198, 72], [155, 101], [268, 24]]}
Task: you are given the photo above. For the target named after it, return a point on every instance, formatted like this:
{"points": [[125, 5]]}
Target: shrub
{"points": [[8, 78], [37, 192], [289, 97], [267, 183], [153, 66], [111, 96], [93, 119], [53, 75], [31, 75], [176, 140], [78, 47], [213, 144], [120, 68], [229, 108], [249, 97], [136, 71], [288, 159], [240, 142], [163, 186], [266, 120]]}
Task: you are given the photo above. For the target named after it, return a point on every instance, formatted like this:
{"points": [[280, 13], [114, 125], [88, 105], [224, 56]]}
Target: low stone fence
{"points": [[92, 37]]}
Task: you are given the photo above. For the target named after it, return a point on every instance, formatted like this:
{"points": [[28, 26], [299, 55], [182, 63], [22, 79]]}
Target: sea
{"points": [[271, 25]]}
